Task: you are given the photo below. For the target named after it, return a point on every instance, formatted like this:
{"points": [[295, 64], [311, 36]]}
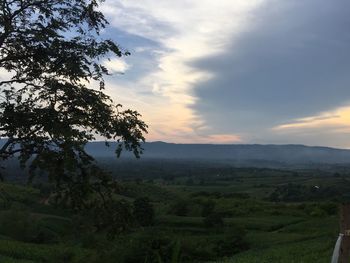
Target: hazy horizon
{"points": [[237, 143]]}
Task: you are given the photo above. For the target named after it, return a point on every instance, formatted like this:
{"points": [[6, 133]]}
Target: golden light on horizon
{"points": [[337, 120]]}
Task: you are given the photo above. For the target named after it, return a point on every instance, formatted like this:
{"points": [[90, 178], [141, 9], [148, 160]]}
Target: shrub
{"points": [[148, 246], [232, 242], [213, 220], [19, 225], [317, 212], [330, 208], [208, 208], [23, 226], [179, 208], [143, 211]]}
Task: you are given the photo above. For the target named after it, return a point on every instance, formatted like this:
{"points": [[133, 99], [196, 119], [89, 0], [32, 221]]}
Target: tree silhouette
{"points": [[51, 51]]}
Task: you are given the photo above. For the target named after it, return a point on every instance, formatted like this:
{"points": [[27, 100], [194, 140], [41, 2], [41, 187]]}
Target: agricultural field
{"points": [[221, 215]]}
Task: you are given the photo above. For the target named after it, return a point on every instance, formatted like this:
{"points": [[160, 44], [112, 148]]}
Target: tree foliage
{"points": [[52, 54], [179, 207]]}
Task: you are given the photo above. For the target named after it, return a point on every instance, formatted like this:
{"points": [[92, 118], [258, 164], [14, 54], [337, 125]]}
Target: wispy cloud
{"points": [[337, 120], [235, 70], [290, 64], [185, 30]]}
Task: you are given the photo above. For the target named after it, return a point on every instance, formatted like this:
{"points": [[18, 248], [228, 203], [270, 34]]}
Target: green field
{"points": [[243, 215]]}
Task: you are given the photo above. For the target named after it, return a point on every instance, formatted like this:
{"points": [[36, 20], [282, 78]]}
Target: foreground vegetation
{"points": [[218, 215]]}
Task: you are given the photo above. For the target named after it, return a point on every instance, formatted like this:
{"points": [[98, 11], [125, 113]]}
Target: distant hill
{"points": [[160, 157], [287, 154]]}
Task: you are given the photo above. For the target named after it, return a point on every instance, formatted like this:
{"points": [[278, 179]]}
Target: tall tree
{"points": [[51, 51]]}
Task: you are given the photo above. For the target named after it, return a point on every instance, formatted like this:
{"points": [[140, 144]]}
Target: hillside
{"points": [[241, 216], [249, 153]]}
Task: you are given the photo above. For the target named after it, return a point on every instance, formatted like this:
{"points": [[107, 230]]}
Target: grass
{"points": [[39, 253], [275, 232], [307, 251]]}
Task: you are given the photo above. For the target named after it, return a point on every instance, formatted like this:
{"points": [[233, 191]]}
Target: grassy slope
{"points": [[276, 233], [308, 241]]}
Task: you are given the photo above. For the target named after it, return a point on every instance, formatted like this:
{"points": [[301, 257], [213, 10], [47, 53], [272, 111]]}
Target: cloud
{"points": [[241, 68], [334, 121], [183, 137], [179, 32], [116, 65], [222, 138], [291, 63]]}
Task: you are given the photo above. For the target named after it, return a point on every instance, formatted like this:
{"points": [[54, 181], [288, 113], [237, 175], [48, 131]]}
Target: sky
{"points": [[234, 71]]}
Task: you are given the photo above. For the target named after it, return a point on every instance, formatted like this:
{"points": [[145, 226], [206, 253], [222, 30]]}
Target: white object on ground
{"points": [[336, 250]]}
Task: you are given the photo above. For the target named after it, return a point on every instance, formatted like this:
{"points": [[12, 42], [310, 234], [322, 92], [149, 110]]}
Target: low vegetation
{"points": [[229, 215]]}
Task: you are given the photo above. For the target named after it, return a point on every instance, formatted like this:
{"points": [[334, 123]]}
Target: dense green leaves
{"points": [[52, 51]]}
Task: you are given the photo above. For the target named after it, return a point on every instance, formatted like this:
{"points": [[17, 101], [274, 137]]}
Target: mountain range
{"points": [[287, 154]]}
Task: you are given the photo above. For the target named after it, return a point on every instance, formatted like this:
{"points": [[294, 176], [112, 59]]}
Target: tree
{"points": [[52, 51], [179, 207], [143, 211]]}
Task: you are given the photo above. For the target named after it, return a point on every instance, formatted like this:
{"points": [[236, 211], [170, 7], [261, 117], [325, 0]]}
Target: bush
{"points": [[317, 212], [212, 247], [179, 208], [18, 225], [23, 226], [89, 240], [230, 245], [148, 246], [115, 217], [213, 220], [330, 208], [45, 235], [208, 208], [143, 211]]}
